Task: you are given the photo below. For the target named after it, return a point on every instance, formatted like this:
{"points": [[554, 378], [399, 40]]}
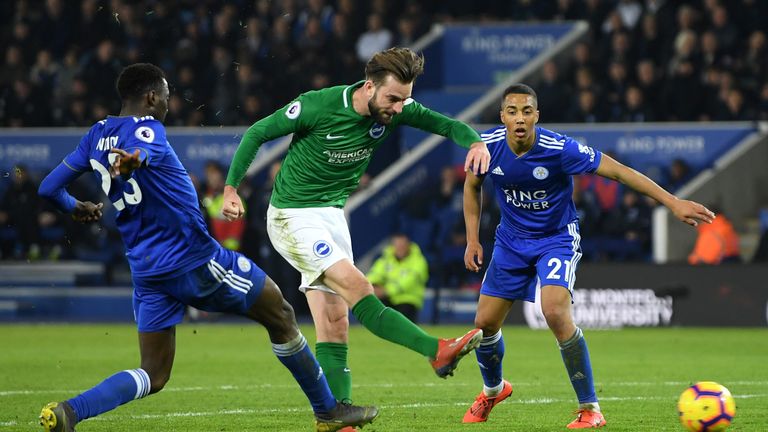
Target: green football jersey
{"points": [[332, 145]]}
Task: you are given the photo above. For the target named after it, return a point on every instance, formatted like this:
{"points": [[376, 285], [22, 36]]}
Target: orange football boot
{"points": [[450, 351], [481, 408], [587, 419]]}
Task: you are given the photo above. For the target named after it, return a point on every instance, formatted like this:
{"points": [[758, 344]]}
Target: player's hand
{"points": [[87, 212], [473, 257], [125, 163], [233, 206], [478, 158], [691, 212]]}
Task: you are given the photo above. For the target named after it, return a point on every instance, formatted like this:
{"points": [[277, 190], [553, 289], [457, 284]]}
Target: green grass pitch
{"points": [[226, 379]]}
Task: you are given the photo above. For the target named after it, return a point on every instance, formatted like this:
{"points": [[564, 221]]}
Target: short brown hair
{"points": [[402, 63]]}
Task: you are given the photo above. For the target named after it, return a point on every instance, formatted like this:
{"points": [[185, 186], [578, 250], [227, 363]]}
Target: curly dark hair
{"points": [[139, 78]]}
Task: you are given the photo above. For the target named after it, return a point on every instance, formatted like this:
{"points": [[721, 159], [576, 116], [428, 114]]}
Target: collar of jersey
{"points": [[346, 95]]}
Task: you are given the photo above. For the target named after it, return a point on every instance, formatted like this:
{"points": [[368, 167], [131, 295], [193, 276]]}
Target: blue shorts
{"points": [[228, 282], [517, 266]]}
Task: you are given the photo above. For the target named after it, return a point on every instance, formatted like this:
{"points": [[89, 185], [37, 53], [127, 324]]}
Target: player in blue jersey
{"points": [[537, 241], [174, 261]]}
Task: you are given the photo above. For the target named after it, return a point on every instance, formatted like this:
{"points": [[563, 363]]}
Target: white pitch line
{"points": [[231, 387], [380, 385], [240, 411]]}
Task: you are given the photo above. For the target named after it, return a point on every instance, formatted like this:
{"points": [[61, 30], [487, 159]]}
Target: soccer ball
{"points": [[705, 407]]}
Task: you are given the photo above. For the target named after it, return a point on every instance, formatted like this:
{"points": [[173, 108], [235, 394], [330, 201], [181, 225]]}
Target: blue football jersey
{"points": [[534, 191], [157, 207]]}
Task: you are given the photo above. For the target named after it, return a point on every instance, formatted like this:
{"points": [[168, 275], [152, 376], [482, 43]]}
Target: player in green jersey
{"points": [[335, 132]]}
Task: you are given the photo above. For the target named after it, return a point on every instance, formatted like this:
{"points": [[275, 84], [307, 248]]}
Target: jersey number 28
{"points": [[106, 184]]}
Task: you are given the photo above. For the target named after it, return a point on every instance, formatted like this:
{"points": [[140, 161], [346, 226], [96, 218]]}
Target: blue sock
{"points": [[489, 355], [298, 358], [576, 358], [114, 391]]}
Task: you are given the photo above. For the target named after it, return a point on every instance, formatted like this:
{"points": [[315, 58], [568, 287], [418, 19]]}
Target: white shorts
{"points": [[311, 240]]}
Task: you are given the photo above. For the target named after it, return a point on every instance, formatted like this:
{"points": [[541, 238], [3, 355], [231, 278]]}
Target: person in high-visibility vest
{"points": [[717, 243], [399, 276]]}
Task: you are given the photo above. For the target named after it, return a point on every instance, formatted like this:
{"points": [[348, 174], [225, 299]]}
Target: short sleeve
{"points": [[149, 138], [579, 158], [299, 115]]}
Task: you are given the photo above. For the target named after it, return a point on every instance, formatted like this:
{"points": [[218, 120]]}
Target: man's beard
{"points": [[377, 113]]}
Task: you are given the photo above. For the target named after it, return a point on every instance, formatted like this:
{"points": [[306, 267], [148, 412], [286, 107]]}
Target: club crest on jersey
{"points": [[293, 110], [540, 172], [244, 264], [145, 134], [322, 249], [376, 131]]}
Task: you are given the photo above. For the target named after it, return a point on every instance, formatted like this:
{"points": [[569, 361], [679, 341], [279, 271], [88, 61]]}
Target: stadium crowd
{"points": [[231, 63]]}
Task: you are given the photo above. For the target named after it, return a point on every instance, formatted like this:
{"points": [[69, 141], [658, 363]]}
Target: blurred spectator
{"points": [[648, 82], [735, 108], [228, 233], [753, 64], [630, 12], [14, 68], [406, 32], [25, 106], [711, 55], [650, 43], [717, 243], [682, 94], [615, 88], [635, 109], [552, 92], [726, 33], [762, 103], [100, 72], [586, 109], [19, 207], [582, 59], [376, 38], [44, 73], [628, 229], [399, 276], [314, 37], [679, 174]]}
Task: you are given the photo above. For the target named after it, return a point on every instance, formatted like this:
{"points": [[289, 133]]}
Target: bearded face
{"points": [[388, 100], [380, 114]]}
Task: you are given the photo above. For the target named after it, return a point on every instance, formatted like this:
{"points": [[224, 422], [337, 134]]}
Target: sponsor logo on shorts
{"points": [[322, 248], [376, 131], [244, 264]]}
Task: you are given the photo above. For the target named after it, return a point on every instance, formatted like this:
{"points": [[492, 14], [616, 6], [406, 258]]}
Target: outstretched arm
{"points": [[473, 256], [53, 188], [478, 158], [689, 212], [282, 122]]}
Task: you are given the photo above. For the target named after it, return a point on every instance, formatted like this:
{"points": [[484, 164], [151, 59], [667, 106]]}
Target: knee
{"points": [[158, 380], [337, 326], [285, 320], [489, 326], [556, 316]]}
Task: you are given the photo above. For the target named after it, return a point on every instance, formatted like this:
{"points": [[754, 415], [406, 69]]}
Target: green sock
{"points": [[332, 357], [391, 325]]}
